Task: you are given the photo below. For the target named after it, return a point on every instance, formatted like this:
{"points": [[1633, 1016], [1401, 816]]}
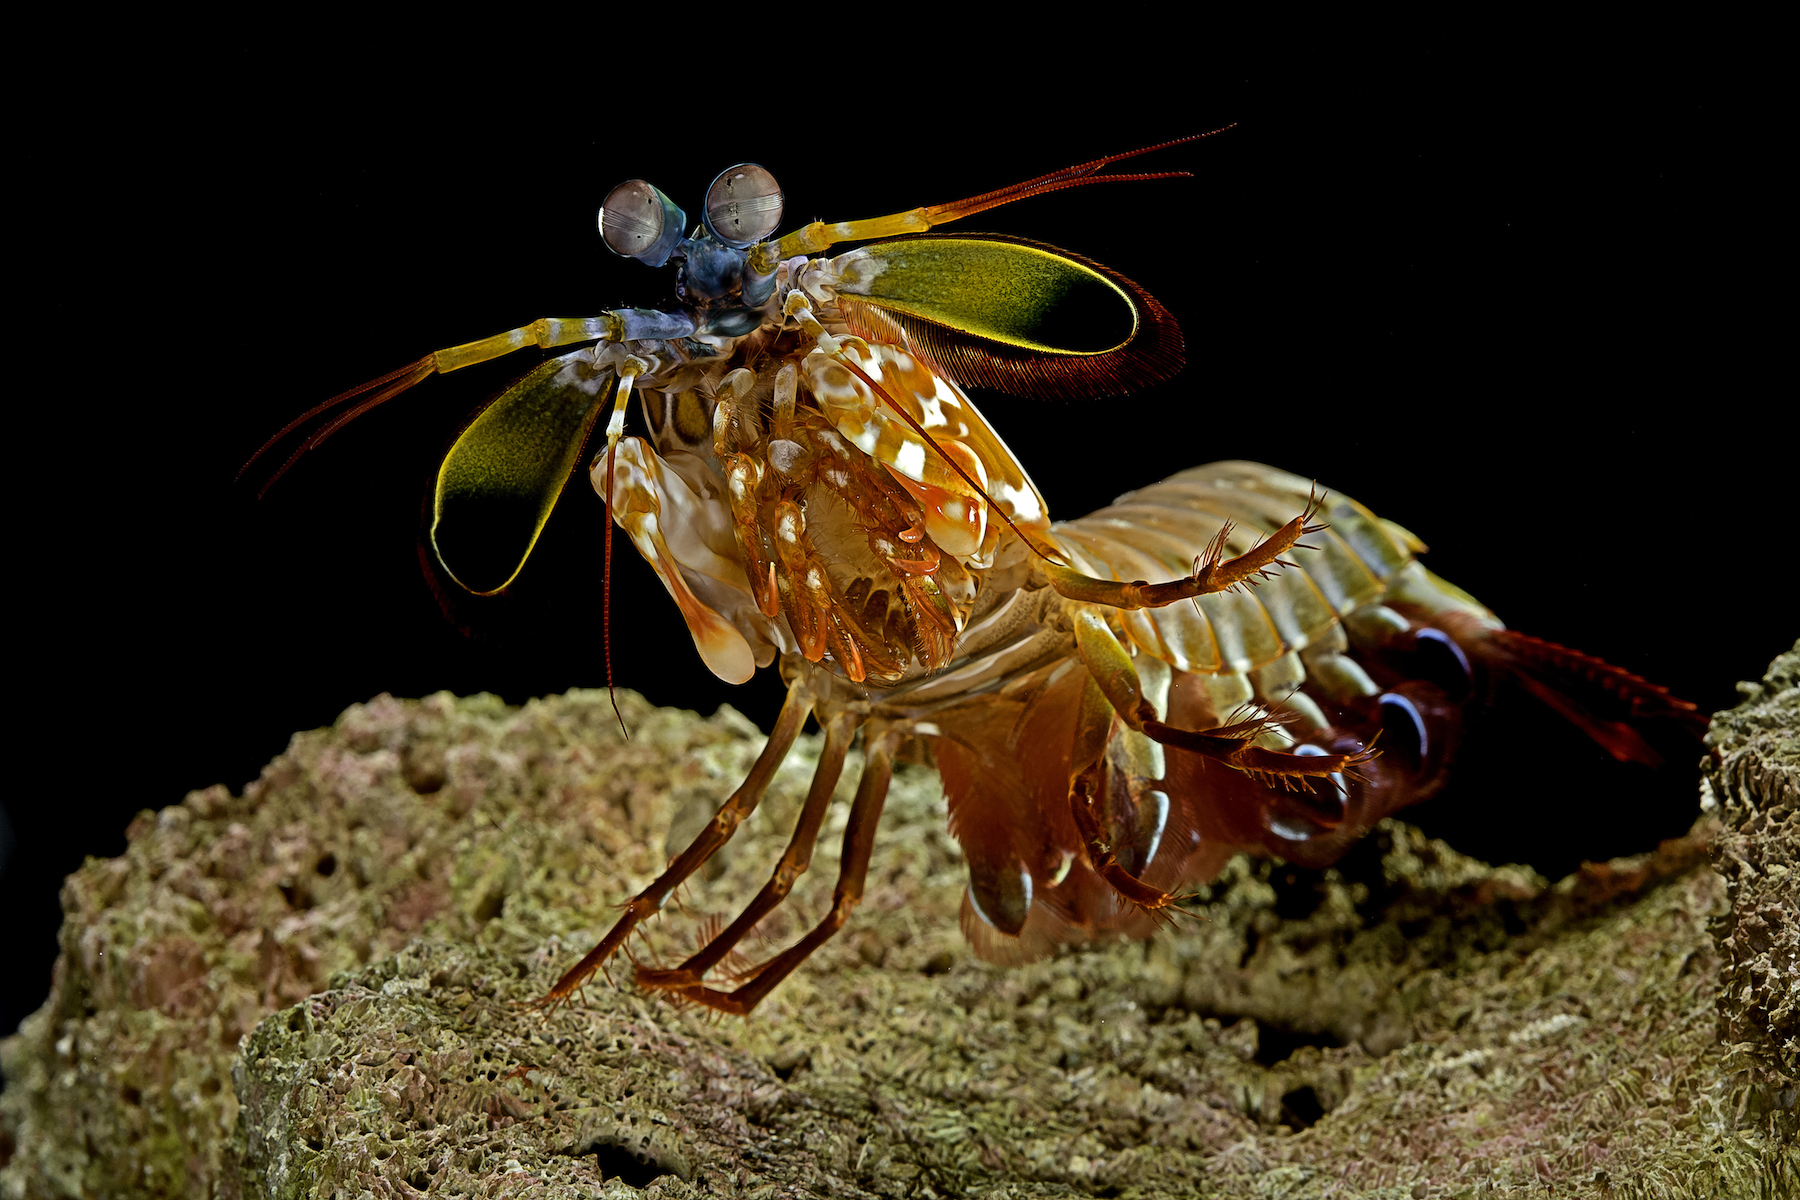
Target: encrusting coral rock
{"points": [[376, 911], [1753, 779]]}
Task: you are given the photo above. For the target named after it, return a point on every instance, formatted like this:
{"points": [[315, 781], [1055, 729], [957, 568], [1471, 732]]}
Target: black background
{"points": [[1504, 307]]}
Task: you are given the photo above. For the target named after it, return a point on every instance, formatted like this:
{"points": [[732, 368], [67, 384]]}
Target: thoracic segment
{"points": [[834, 543]]}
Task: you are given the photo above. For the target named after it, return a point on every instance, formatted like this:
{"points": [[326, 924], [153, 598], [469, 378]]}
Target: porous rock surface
{"points": [[1752, 779], [377, 910]]}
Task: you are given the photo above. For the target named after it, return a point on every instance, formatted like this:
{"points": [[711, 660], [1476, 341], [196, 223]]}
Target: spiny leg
{"points": [[1109, 666], [1095, 726], [718, 831], [839, 731], [853, 870], [1093, 730], [1213, 572], [1114, 689]]}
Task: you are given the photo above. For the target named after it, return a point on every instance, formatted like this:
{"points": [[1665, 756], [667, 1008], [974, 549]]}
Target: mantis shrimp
{"points": [[1228, 659]]}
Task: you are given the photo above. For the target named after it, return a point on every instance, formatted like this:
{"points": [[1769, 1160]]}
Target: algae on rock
{"points": [[1410, 1022], [1578, 1051], [405, 818]]}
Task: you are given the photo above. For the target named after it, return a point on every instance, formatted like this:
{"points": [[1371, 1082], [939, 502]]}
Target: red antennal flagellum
{"points": [[390, 385], [1075, 176]]}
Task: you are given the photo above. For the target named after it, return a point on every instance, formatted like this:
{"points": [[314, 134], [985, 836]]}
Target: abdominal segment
{"points": [[1173, 819]]}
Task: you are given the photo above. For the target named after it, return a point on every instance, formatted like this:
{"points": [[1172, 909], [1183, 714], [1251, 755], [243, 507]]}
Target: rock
{"points": [[1752, 782], [378, 910]]}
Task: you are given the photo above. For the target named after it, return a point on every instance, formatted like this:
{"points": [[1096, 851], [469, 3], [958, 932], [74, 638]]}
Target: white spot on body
{"points": [[909, 460], [1019, 502], [931, 412], [785, 454], [1292, 831], [862, 434], [1160, 799]]}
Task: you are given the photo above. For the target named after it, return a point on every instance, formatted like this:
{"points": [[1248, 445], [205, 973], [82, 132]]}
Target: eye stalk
{"points": [[638, 221], [743, 205]]}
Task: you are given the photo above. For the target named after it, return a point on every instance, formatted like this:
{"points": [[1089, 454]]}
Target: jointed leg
{"points": [[1114, 690], [838, 733], [1094, 727], [853, 869], [718, 831], [1213, 572], [1109, 666]]}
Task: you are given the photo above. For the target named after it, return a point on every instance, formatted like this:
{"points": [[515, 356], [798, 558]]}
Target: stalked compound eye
{"points": [[743, 205], [638, 221]]}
